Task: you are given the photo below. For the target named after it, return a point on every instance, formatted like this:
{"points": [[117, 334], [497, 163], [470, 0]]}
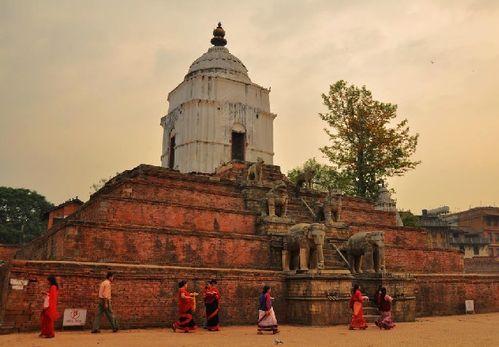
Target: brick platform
{"points": [[155, 226]]}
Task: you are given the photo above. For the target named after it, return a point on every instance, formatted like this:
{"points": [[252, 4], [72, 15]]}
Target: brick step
{"points": [[371, 318], [370, 310], [4, 330]]}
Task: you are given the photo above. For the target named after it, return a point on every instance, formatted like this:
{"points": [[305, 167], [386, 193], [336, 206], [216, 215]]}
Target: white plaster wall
{"points": [[202, 113], [219, 89], [483, 251]]}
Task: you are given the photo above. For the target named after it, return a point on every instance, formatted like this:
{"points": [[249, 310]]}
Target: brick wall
{"points": [[7, 252], [403, 259], [146, 295], [445, 294], [62, 212], [124, 211], [142, 295], [411, 250], [481, 264]]}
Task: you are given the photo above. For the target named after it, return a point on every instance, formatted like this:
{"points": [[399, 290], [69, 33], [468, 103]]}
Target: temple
{"points": [[218, 208], [216, 114]]}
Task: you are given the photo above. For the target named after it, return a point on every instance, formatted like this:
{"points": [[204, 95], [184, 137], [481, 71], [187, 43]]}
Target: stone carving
{"points": [[303, 247], [305, 178], [277, 200], [359, 244], [255, 171], [332, 207]]}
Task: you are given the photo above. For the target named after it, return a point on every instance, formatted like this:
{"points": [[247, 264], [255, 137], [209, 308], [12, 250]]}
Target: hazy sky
{"points": [[83, 84]]}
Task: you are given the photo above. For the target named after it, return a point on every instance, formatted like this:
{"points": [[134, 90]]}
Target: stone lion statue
{"points": [[303, 247], [305, 178], [277, 200], [332, 207], [255, 171], [360, 243]]}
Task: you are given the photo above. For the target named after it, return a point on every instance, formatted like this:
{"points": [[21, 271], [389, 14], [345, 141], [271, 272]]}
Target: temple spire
{"points": [[218, 36]]}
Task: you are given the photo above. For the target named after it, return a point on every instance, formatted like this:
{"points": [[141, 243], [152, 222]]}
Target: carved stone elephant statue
{"points": [[360, 243], [303, 247]]}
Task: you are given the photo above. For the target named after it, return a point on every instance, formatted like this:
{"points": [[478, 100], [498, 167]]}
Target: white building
{"points": [[216, 114]]}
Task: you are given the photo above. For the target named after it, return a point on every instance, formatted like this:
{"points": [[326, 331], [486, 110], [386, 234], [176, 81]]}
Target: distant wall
{"points": [[444, 294], [481, 264]]}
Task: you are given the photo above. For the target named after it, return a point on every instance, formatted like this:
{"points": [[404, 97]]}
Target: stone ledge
{"points": [[68, 267], [315, 298], [171, 231], [176, 204]]}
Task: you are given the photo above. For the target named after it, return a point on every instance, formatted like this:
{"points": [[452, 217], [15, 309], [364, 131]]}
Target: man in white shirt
{"points": [[105, 304]]}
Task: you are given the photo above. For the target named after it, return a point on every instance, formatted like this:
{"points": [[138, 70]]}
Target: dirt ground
{"points": [[472, 330]]}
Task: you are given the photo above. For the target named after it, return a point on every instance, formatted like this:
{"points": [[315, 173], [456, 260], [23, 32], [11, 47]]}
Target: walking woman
{"points": [[186, 308], [356, 300], [385, 320], [266, 316], [212, 304], [49, 313]]}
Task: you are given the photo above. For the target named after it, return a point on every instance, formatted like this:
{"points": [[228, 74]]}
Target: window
{"points": [[238, 145], [171, 155], [476, 250]]}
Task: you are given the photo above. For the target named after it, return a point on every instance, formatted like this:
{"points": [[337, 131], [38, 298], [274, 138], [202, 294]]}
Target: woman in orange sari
{"points": [[49, 313], [186, 307], [356, 300]]}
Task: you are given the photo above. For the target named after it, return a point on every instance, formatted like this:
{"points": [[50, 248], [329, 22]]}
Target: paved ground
{"points": [[472, 330]]}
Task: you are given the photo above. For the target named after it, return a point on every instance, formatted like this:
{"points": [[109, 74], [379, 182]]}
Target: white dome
{"points": [[219, 62]]}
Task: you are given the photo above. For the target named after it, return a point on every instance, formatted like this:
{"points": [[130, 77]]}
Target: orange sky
{"points": [[83, 84]]}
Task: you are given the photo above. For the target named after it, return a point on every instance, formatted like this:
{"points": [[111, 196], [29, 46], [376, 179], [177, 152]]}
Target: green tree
{"points": [[364, 147], [409, 219], [21, 214], [326, 178]]}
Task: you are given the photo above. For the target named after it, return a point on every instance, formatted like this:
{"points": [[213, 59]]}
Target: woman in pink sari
{"points": [[358, 321], [49, 313], [385, 320]]}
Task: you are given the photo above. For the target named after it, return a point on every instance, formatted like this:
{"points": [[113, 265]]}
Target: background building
{"points": [[481, 225], [456, 231]]}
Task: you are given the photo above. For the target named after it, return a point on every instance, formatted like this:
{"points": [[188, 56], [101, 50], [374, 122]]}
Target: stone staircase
{"points": [[370, 311], [332, 260], [298, 212]]}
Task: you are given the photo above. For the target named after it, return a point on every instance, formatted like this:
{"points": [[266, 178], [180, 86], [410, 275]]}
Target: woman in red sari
{"points": [[212, 302], [49, 313], [186, 307], [356, 300]]}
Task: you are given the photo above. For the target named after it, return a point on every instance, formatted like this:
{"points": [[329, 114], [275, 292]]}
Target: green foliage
{"points": [[363, 146], [325, 178], [409, 219], [21, 212]]}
